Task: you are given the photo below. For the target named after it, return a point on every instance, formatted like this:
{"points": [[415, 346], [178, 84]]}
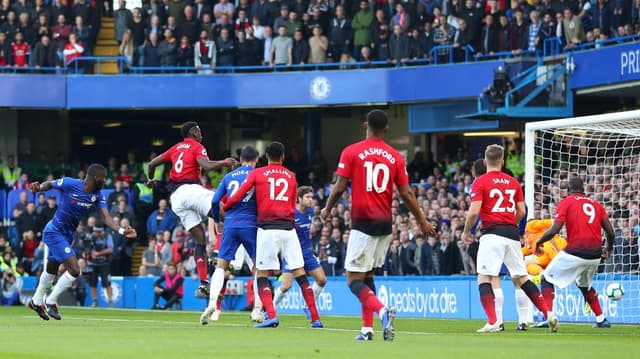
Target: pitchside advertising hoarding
{"points": [[609, 65], [414, 297]]}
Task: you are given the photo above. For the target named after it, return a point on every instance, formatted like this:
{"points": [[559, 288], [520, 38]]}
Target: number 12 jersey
{"points": [[373, 167]]}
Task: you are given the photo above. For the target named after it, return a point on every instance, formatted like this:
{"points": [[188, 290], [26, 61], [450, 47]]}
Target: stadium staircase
{"points": [[107, 46], [136, 258]]}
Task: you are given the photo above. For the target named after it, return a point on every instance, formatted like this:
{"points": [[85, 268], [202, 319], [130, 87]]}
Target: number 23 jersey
{"points": [[373, 167], [499, 194]]}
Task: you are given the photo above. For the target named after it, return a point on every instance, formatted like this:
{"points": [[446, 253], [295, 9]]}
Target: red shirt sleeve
{"points": [[476, 190], [561, 211], [344, 166], [519, 197], [401, 172], [603, 212], [166, 155], [246, 186], [201, 152]]}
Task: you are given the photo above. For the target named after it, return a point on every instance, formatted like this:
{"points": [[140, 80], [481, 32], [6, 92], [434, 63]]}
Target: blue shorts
{"points": [[58, 243], [232, 238], [310, 262], [504, 270]]}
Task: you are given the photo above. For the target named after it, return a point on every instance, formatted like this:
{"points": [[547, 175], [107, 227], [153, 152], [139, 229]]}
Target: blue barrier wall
{"points": [[279, 89], [415, 297]]}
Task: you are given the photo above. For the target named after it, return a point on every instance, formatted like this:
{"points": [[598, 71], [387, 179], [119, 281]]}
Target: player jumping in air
{"points": [[275, 192], [239, 230], [303, 214], [579, 260], [498, 199], [373, 168], [77, 197]]}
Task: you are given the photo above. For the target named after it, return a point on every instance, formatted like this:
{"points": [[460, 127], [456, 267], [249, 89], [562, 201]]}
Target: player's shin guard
{"points": [[367, 314], [591, 297], [45, 283], [307, 293], [316, 289], [548, 292], [264, 291], [278, 296], [366, 296], [65, 281], [522, 304], [200, 256], [535, 296], [257, 302], [499, 302], [487, 298], [217, 283]]}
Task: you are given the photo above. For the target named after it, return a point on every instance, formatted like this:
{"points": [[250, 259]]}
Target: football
{"points": [[615, 291]]}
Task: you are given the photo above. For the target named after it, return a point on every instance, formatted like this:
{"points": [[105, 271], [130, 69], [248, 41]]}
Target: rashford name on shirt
{"points": [[377, 152]]}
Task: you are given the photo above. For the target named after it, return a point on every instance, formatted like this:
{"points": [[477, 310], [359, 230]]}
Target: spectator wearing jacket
{"points": [[204, 54]]}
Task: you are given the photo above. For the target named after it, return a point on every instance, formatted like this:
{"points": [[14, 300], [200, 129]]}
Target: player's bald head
{"points": [[493, 155], [187, 127], [576, 185]]}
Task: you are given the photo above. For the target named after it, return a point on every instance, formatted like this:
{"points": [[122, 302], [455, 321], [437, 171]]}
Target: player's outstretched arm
{"points": [[338, 190], [548, 234], [608, 229], [151, 182], [209, 165], [410, 201], [40, 187], [242, 191], [472, 217], [127, 232]]}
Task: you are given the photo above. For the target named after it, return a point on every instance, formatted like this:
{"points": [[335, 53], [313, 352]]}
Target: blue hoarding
{"points": [[606, 66]]}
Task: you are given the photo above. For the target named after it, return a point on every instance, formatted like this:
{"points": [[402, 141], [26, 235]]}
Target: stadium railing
{"points": [[553, 45]]}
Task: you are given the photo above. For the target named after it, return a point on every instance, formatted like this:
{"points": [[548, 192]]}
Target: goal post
{"points": [[604, 150]]}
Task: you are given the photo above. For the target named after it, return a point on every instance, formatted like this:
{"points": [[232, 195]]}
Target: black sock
{"points": [[356, 287], [371, 284], [545, 284], [302, 280]]}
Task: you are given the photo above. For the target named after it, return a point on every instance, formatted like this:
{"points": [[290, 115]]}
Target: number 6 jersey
{"points": [[184, 161], [499, 194], [373, 167]]}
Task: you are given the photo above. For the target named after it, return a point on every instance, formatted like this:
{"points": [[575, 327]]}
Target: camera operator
{"points": [[10, 288], [99, 260]]}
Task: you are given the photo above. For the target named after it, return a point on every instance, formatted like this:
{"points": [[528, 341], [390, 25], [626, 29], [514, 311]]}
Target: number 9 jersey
{"points": [[583, 219], [373, 167], [499, 194]]}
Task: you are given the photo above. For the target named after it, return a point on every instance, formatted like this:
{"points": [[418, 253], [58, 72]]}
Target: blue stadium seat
{"points": [[14, 197], [3, 205]]}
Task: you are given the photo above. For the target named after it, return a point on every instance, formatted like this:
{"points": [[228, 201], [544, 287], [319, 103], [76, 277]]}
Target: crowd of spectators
{"points": [[442, 189], [206, 33]]}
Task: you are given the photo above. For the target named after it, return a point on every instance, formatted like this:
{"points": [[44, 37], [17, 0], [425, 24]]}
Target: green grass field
{"points": [[111, 333]]}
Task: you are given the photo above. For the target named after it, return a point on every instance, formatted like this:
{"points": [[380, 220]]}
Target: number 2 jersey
{"points": [[583, 219], [373, 167], [275, 192], [499, 194], [243, 215]]}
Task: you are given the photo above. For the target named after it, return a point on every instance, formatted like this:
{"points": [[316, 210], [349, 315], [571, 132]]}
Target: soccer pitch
{"points": [[113, 333]]}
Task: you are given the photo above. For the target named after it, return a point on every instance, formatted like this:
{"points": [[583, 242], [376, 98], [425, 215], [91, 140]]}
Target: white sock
{"points": [[382, 311], [217, 281], [600, 318], [257, 302], [366, 330], [65, 281], [522, 304], [499, 295], [277, 296], [43, 285], [316, 289]]}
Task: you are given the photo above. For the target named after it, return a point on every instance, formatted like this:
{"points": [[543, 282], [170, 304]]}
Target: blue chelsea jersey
{"points": [[75, 202], [303, 226], [242, 215]]}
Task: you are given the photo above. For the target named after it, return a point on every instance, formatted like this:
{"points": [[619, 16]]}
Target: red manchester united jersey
{"points": [[499, 194], [583, 219], [373, 167], [275, 190], [184, 161]]}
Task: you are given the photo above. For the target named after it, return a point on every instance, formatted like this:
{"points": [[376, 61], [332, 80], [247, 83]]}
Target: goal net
{"points": [[604, 151]]}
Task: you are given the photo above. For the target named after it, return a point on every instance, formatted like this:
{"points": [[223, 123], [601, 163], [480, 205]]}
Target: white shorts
{"points": [[191, 203], [242, 256], [365, 252], [271, 242], [495, 250], [565, 268]]}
